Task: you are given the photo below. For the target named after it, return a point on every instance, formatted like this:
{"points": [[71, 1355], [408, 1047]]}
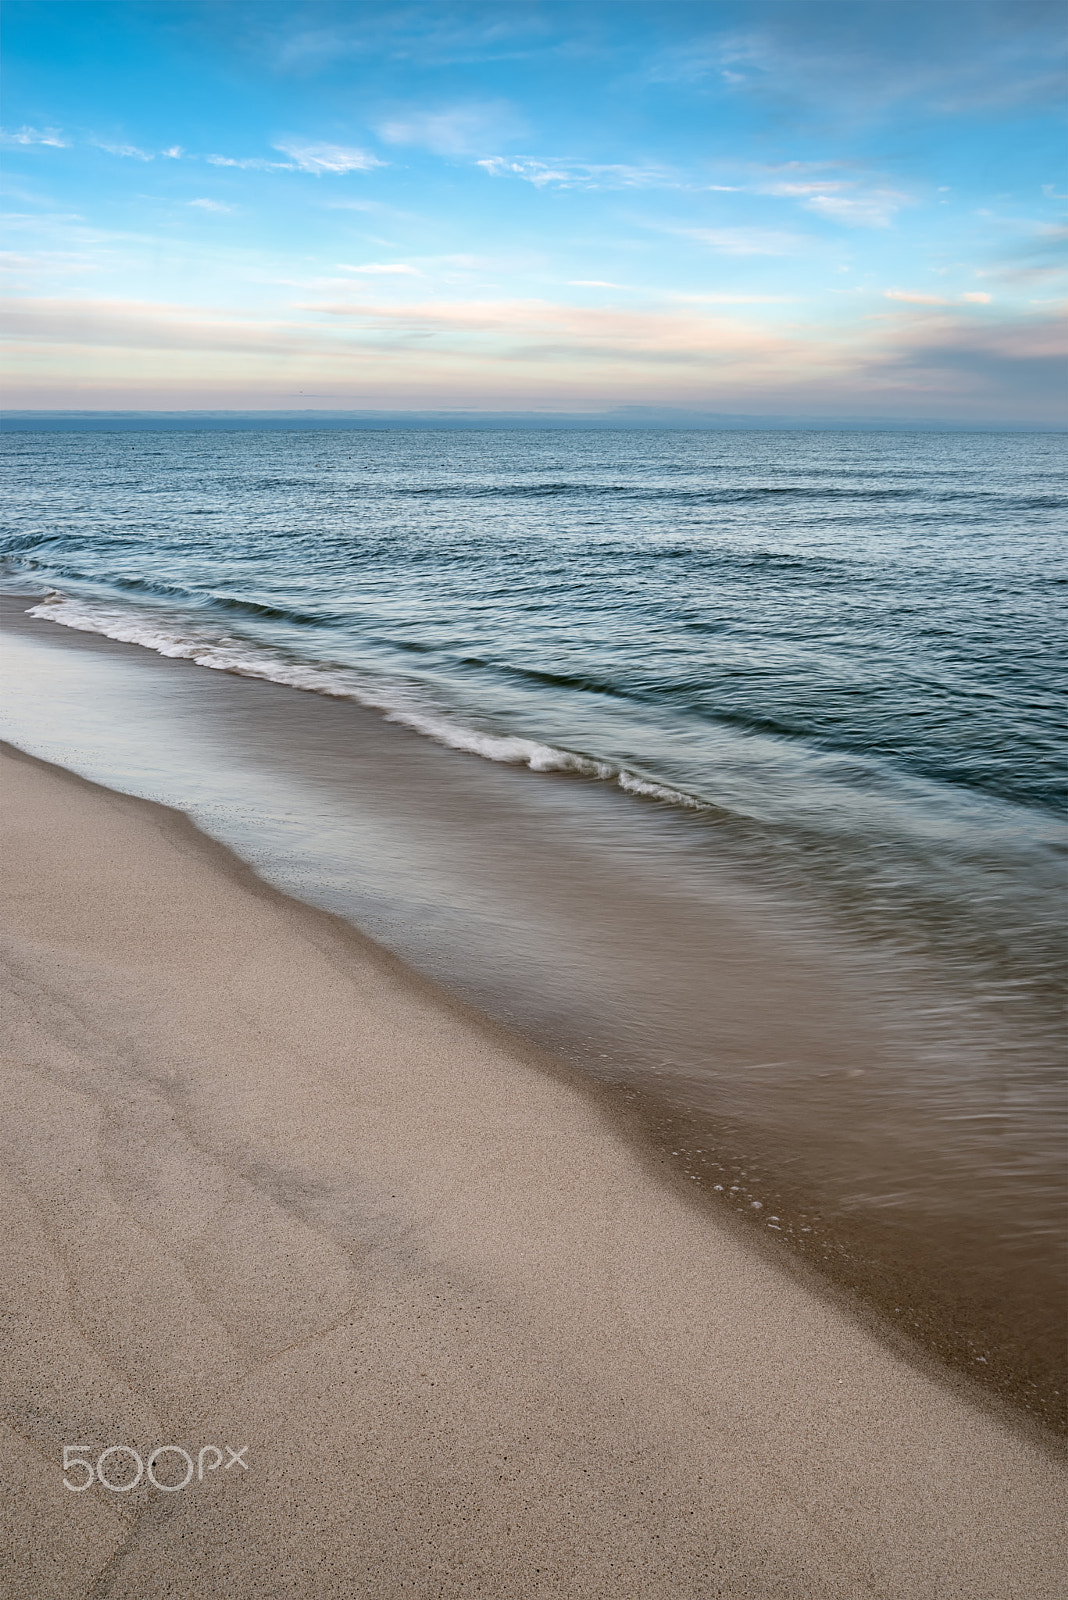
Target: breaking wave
{"points": [[396, 701]]}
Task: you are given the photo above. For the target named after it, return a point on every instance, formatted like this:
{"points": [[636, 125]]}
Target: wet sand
{"points": [[897, 1111], [267, 1188]]}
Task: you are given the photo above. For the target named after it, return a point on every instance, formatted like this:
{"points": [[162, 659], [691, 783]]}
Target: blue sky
{"points": [[824, 207]]}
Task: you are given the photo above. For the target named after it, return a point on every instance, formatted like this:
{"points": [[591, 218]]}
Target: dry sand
{"points": [[265, 1188]]}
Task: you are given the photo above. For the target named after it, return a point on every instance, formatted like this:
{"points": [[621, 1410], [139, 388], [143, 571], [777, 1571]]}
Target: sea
{"points": [[726, 766]]}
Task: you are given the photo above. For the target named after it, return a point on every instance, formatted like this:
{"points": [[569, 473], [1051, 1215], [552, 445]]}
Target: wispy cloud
{"points": [[304, 156], [131, 151], [743, 241], [1008, 57], [973, 297], [212, 205], [876, 209], [732, 299], [27, 136], [796, 189], [570, 174], [34, 269], [432, 36], [309, 156], [463, 352], [463, 130], [251, 163], [538, 330], [396, 269]]}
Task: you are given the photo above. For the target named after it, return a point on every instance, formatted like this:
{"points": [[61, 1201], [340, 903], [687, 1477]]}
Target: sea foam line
{"points": [[248, 660]]}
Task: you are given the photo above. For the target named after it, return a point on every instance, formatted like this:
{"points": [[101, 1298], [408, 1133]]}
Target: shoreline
{"points": [[588, 923], [477, 1344]]}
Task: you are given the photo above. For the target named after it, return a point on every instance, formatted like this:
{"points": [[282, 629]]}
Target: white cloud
{"points": [[844, 200], [132, 151], [594, 283], [212, 205], [578, 174], [744, 241], [801, 191], [312, 157], [874, 210], [253, 163], [976, 297], [466, 130], [732, 299], [175, 153], [383, 269], [25, 136], [304, 157]]}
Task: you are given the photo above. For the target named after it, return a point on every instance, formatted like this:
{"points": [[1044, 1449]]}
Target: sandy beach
{"points": [[268, 1191]]}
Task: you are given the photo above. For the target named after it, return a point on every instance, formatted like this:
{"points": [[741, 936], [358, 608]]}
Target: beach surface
{"points": [[267, 1190]]}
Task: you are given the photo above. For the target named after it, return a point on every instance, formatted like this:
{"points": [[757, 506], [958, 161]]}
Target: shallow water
{"points": [[787, 864]]}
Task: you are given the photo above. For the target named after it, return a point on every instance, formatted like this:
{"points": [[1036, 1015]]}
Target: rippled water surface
{"points": [[812, 677], [857, 606]]}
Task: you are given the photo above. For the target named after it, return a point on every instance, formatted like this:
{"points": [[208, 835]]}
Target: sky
{"points": [[818, 208]]}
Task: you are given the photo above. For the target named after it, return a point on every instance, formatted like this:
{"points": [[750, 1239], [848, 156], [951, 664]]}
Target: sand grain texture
{"points": [[264, 1187]]}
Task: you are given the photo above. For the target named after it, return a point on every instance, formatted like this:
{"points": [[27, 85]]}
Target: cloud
{"points": [[312, 157], [545, 328], [874, 210], [1036, 259], [919, 362], [464, 130], [435, 36], [974, 297], [568, 174], [175, 153], [305, 156], [916, 299], [801, 191], [383, 269], [732, 299], [26, 136], [251, 163], [744, 241], [361, 205], [1017, 364], [212, 205], [34, 268], [867, 61], [132, 151]]}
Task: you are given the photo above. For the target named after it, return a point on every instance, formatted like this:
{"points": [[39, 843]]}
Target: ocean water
{"points": [[730, 766]]}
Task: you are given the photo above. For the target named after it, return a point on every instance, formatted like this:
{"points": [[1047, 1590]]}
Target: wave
{"points": [[159, 589], [724, 494], [397, 702]]}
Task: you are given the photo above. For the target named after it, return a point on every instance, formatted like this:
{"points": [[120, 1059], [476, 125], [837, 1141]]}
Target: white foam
{"points": [[170, 636], [657, 791]]}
